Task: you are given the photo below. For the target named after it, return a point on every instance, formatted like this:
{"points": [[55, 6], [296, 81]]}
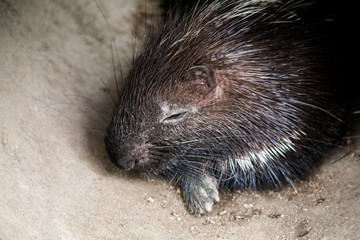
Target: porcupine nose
{"points": [[125, 165], [120, 157], [122, 161]]}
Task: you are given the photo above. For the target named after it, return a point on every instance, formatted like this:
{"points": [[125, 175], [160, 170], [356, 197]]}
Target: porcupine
{"points": [[227, 94]]}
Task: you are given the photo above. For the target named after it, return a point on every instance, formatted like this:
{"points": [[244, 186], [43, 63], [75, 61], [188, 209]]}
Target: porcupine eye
{"points": [[174, 117]]}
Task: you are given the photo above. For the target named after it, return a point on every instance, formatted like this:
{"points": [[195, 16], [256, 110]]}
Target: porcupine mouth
{"points": [[139, 156]]}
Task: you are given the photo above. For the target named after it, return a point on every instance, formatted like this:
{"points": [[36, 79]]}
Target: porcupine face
{"points": [[157, 129], [228, 89]]}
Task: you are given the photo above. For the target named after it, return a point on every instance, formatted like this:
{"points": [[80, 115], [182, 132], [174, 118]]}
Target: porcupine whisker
{"points": [[312, 149], [206, 154], [148, 25], [112, 53], [114, 71], [190, 170], [190, 147], [93, 130], [174, 178], [197, 149], [192, 167], [174, 170], [145, 25], [133, 44], [89, 109], [133, 41], [185, 160], [213, 139], [187, 143], [244, 101], [201, 156], [107, 89], [322, 142], [319, 108]]}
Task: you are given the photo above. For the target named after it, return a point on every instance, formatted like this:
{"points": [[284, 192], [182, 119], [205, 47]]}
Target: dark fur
{"points": [[256, 86]]}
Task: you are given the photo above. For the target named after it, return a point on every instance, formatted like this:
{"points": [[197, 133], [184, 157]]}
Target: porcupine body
{"points": [[229, 94]]}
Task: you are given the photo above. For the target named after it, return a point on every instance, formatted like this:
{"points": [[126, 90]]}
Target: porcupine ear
{"points": [[200, 85], [202, 75]]}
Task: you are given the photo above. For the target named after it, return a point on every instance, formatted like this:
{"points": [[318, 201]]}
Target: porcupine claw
{"points": [[200, 194]]}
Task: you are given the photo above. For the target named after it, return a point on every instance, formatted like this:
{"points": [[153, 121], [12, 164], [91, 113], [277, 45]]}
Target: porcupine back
{"points": [[257, 75]]}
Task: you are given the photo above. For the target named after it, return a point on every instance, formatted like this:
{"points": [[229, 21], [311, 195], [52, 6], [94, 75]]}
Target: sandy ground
{"points": [[55, 179]]}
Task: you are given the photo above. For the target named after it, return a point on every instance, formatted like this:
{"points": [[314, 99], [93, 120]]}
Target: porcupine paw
{"points": [[200, 194]]}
